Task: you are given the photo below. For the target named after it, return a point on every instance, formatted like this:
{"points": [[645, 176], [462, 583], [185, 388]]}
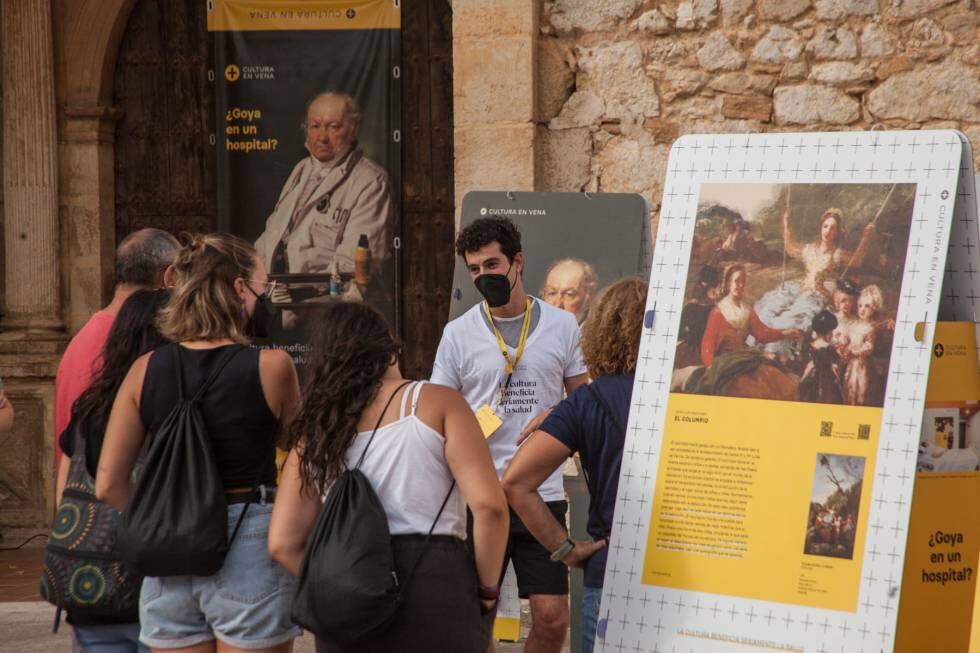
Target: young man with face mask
{"points": [[512, 357]]}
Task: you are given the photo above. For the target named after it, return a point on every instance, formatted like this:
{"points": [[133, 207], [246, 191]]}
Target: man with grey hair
{"points": [[144, 260], [570, 284], [332, 200]]}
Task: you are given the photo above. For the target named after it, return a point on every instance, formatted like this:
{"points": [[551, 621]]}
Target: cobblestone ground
{"points": [[25, 623], [25, 627]]}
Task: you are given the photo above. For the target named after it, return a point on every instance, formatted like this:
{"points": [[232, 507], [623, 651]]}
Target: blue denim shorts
{"points": [[245, 605]]}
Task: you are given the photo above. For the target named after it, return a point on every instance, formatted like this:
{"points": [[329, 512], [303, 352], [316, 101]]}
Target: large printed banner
{"points": [[308, 105], [765, 496], [943, 551], [575, 244]]}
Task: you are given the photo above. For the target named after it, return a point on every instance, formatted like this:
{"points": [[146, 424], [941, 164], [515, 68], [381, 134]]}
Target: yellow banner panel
{"points": [[763, 499], [939, 608], [953, 375], [276, 15], [939, 582]]}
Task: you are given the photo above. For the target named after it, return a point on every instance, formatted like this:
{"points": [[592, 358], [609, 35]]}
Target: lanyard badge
{"points": [[510, 364]]}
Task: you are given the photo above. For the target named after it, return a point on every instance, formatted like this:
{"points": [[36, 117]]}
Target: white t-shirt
{"points": [[469, 361]]}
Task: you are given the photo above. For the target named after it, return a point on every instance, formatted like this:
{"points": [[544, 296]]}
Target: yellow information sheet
{"points": [[939, 585], [763, 499]]}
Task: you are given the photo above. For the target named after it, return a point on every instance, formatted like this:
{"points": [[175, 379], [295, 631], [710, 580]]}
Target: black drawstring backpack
{"points": [[348, 588], [175, 523]]}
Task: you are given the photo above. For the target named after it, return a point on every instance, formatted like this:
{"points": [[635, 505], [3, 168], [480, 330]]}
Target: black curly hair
{"points": [[134, 332], [483, 231], [351, 353]]}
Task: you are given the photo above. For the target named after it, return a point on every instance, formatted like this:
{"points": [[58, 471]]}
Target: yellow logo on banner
{"points": [[232, 73]]}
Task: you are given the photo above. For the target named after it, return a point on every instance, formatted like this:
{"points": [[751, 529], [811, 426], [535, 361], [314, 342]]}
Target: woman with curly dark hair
{"points": [[416, 454], [591, 421]]}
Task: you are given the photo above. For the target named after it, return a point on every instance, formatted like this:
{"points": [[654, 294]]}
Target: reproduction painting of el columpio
{"points": [[308, 153], [793, 290], [835, 503]]}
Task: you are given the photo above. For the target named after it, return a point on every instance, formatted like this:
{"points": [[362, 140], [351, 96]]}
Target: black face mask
{"points": [[265, 318], [495, 288]]}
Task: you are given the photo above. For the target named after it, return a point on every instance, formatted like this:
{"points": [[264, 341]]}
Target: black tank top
{"points": [[240, 423]]}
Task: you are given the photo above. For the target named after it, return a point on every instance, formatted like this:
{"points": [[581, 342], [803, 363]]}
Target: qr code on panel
{"points": [[864, 431], [826, 429]]}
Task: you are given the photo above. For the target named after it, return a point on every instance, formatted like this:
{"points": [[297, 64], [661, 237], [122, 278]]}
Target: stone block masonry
{"points": [[621, 79]]}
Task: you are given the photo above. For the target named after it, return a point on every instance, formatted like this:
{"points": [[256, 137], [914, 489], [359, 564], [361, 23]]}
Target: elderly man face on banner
{"points": [[570, 285], [332, 123], [334, 215]]}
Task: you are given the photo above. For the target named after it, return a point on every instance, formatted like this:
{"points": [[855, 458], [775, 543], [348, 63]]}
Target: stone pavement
{"points": [[25, 621], [25, 627]]}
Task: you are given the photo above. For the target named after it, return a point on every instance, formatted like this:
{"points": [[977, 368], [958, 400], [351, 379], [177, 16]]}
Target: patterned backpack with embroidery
{"points": [[82, 566]]}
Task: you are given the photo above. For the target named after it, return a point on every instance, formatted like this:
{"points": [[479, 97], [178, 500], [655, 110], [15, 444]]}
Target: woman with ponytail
{"points": [[219, 302], [425, 439]]}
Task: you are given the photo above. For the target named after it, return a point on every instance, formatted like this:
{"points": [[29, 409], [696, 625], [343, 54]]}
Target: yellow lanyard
{"points": [[510, 364]]}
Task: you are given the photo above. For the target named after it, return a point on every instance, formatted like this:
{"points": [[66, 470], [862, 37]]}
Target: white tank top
{"points": [[406, 465]]}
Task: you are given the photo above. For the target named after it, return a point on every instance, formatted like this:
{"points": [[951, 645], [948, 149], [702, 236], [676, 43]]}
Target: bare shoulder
{"points": [[438, 402], [276, 364], [137, 371], [132, 385], [277, 374]]}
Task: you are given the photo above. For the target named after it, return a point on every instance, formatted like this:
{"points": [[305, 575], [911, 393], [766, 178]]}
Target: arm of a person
{"points": [[280, 386], [469, 461], [793, 247], [59, 487], [866, 346], [531, 466], [123, 439], [857, 258], [571, 383], [711, 334], [373, 215], [575, 381], [266, 243], [293, 516], [762, 333], [446, 368], [575, 375], [6, 412]]}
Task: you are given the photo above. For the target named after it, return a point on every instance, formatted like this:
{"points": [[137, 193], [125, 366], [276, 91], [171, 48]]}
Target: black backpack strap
{"points": [[428, 536], [219, 367], [612, 418], [378, 425]]}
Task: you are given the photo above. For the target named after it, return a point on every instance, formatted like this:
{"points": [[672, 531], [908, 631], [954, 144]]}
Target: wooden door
{"points": [[164, 164], [428, 222]]}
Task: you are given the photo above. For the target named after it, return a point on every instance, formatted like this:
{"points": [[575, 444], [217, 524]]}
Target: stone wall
{"points": [[619, 80]]}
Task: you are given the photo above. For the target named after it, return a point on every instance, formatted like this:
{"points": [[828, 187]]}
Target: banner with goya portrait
{"points": [[307, 140]]}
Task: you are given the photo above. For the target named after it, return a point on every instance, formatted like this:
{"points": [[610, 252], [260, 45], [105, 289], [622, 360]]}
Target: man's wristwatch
{"points": [[562, 551]]}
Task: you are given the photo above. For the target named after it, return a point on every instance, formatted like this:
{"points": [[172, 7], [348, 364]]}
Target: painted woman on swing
{"points": [[794, 304], [824, 257]]}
